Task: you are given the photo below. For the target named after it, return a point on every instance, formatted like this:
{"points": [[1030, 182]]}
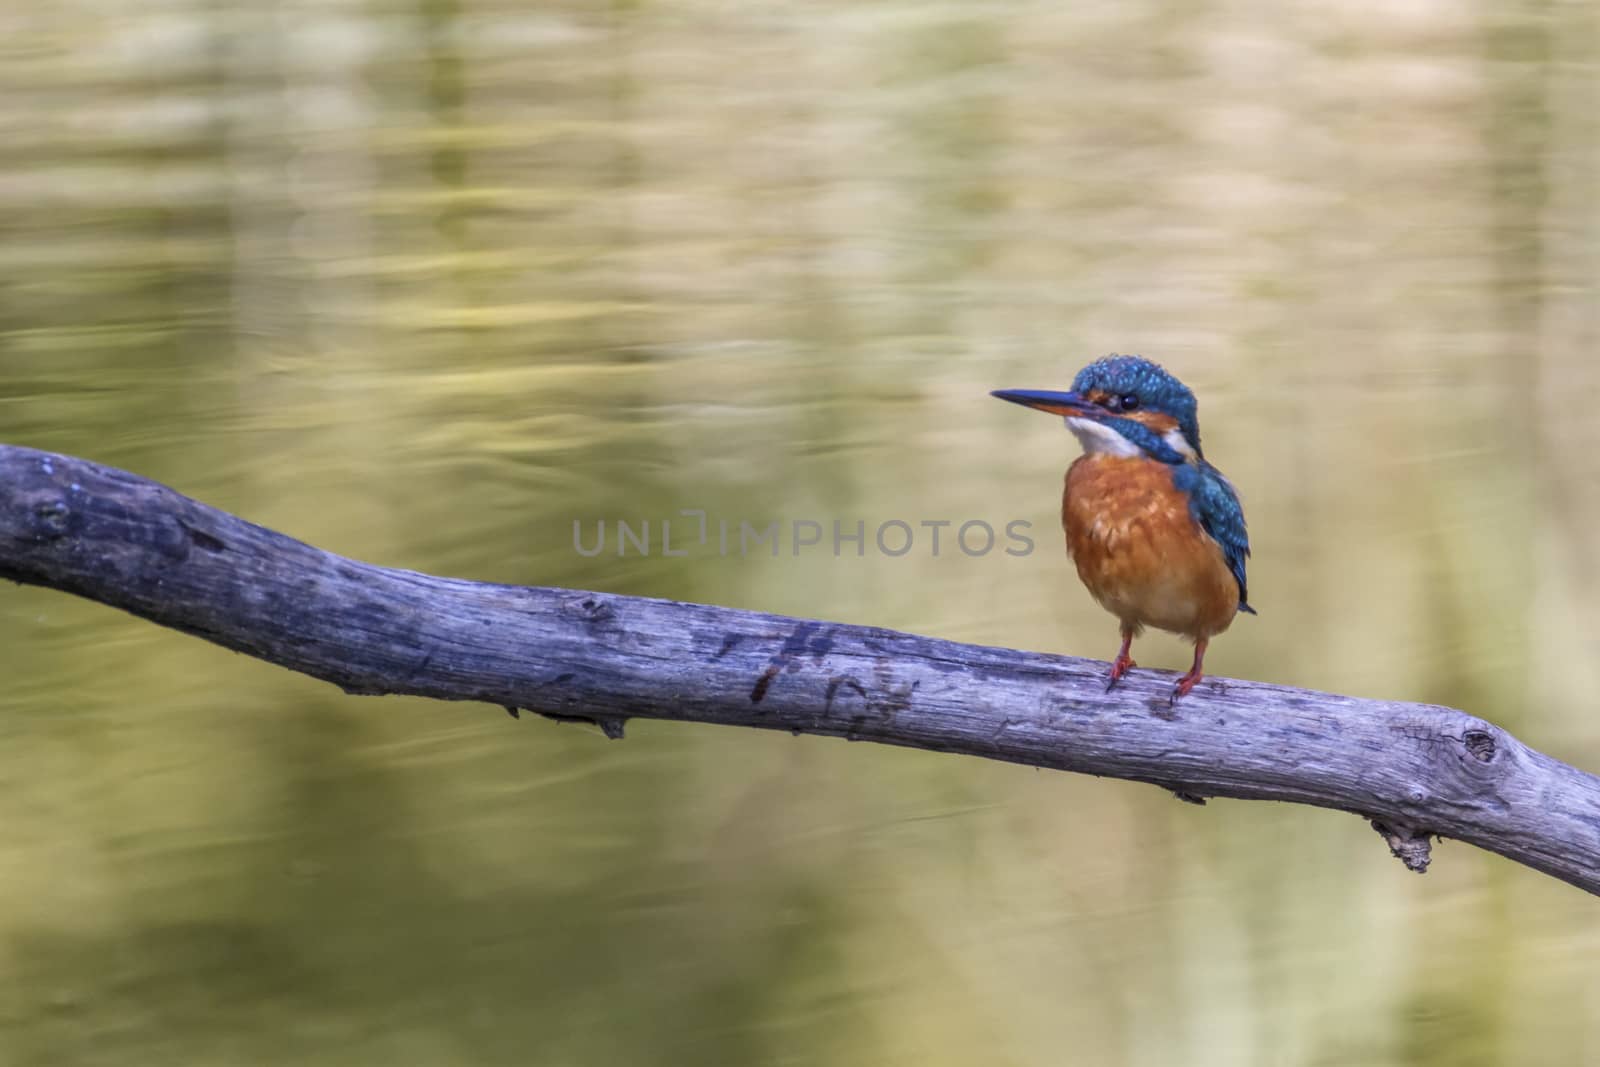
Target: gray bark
{"points": [[1414, 770]]}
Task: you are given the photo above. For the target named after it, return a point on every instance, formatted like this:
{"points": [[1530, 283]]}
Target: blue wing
{"points": [[1215, 506]]}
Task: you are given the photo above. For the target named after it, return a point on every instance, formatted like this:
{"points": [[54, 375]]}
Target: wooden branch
{"points": [[1414, 770]]}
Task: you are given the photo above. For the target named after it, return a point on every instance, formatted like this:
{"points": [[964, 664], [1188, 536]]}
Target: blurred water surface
{"points": [[423, 283]]}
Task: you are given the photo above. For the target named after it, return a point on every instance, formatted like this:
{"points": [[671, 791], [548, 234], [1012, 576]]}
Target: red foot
{"points": [[1187, 683], [1123, 663], [1192, 679]]}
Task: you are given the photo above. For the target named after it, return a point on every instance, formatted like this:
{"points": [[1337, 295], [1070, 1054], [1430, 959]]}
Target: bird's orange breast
{"points": [[1139, 551]]}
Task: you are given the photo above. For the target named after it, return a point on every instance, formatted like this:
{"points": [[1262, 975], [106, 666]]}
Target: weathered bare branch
{"points": [[1414, 770]]}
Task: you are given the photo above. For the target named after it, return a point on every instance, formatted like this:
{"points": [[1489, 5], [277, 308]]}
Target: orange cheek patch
{"points": [[1155, 420]]}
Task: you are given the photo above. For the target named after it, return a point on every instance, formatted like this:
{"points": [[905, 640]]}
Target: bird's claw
{"points": [[1119, 667], [1184, 687]]}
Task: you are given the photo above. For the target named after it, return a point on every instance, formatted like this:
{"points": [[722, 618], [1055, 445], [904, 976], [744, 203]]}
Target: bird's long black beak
{"points": [[1054, 403]]}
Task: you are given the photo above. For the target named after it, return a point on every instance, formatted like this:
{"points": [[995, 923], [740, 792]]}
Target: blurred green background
{"points": [[424, 282]]}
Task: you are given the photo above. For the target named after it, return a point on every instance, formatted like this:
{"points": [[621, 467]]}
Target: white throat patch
{"points": [[1097, 437]]}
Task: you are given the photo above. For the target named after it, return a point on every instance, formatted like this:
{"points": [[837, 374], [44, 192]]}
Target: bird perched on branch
{"points": [[1156, 532]]}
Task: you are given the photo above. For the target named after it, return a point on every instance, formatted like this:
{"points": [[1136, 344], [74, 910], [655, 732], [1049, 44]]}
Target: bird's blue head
{"points": [[1125, 404]]}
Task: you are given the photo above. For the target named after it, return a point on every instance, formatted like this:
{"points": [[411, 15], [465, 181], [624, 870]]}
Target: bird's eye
{"points": [[1128, 402]]}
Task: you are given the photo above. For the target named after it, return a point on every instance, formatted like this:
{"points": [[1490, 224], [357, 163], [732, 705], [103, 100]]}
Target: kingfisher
{"points": [[1157, 533]]}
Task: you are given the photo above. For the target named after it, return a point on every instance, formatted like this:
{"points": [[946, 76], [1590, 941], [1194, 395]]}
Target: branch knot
{"points": [[1410, 846]]}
